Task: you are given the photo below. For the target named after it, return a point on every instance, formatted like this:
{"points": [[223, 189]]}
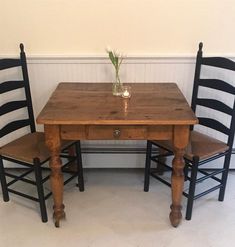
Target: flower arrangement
{"points": [[116, 59]]}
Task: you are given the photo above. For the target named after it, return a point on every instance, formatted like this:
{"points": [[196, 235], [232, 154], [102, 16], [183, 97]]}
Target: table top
{"points": [[94, 104]]}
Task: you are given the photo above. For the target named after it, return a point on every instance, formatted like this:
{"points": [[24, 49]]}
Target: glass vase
{"points": [[117, 86]]}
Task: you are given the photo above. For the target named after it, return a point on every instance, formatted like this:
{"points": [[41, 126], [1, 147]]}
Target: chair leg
{"points": [[147, 166], [5, 193], [160, 168], [192, 187], [186, 172], [224, 176], [40, 190], [72, 167], [80, 167]]}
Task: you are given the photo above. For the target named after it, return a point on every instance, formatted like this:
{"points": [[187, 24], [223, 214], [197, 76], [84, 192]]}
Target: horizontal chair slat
{"points": [[14, 126], [217, 84], [7, 86], [12, 106], [215, 104], [208, 122], [219, 62], [8, 63]]}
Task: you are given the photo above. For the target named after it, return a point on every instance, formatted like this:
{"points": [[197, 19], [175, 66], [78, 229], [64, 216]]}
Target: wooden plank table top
{"points": [[89, 111], [93, 103]]}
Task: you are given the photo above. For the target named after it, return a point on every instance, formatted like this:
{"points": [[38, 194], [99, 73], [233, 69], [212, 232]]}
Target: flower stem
{"points": [[117, 77]]}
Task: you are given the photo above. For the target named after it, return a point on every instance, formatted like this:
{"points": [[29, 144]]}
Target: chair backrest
{"points": [[219, 86], [11, 85]]}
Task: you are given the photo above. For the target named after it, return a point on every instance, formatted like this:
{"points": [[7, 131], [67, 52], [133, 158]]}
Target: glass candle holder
{"points": [[126, 91]]}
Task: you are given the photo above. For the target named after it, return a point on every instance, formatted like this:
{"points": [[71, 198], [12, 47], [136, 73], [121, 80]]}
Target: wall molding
{"points": [[103, 59]]}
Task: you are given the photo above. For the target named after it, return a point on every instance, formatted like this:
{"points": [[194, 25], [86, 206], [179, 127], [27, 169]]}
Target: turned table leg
{"points": [[180, 141], [53, 142]]}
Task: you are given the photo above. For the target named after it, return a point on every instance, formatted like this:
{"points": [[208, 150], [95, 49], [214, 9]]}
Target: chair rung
{"points": [[24, 195], [45, 179], [212, 158], [169, 168], [24, 180], [69, 179], [18, 161], [210, 175], [67, 147], [159, 162], [19, 178], [160, 179], [48, 195], [45, 168], [185, 194], [67, 156], [207, 191], [70, 159], [161, 155], [65, 182], [22, 175]]}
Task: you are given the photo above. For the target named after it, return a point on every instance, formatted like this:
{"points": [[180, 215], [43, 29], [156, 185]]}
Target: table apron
{"points": [[116, 132]]}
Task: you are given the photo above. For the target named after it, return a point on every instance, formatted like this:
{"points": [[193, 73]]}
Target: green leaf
{"points": [[112, 58]]}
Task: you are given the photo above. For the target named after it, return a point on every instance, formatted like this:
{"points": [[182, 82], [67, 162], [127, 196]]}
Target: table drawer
{"points": [[117, 132]]}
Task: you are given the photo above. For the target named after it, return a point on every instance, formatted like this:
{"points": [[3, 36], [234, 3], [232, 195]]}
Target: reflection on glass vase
{"points": [[117, 86]]}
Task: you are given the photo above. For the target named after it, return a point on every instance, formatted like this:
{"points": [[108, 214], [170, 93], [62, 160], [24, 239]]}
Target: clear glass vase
{"points": [[117, 87]]}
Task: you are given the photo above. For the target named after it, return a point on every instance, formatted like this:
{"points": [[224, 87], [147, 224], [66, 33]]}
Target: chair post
{"points": [[79, 166], [147, 166], [27, 88], [186, 168], [196, 78], [3, 182], [227, 156], [192, 187], [225, 175], [160, 169], [40, 190]]}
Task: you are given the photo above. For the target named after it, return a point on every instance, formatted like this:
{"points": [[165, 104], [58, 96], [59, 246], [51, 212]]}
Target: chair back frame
{"points": [[7, 86], [218, 62]]}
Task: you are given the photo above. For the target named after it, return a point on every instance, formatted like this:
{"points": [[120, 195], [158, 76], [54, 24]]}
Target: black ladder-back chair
{"points": [[202, 148], [29, 150]]}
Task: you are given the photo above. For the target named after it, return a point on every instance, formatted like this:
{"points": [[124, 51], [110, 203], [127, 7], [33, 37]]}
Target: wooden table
{"points": [[89, 111]]}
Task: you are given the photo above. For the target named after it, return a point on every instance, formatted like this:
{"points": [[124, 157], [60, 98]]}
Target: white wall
{"points": [[75, 27]]}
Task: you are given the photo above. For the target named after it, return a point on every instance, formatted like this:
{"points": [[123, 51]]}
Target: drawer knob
{"points": [[116, 133]]}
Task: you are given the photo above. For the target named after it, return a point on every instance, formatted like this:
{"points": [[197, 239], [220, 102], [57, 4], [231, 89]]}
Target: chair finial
{"points": [[21, 47], [200, 46]]}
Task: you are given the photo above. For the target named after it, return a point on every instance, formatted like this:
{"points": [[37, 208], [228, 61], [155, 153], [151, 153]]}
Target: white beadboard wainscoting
{"points": [[46, 72]]}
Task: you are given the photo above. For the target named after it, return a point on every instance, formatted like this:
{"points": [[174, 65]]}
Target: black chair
{"points": [[202, 148], [29, 151]]}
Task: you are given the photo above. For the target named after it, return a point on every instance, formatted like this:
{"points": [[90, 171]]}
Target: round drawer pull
{"points": [[116, 133]]}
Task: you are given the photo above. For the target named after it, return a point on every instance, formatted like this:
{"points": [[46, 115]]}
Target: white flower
{"points": [[117, 54], [108, 49]]}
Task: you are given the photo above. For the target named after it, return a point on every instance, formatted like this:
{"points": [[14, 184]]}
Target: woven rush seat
{"points": [[28, 147], [200, 145]]}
